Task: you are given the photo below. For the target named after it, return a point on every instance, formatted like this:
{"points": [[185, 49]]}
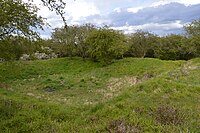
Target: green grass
{"points": [[72, 95]]}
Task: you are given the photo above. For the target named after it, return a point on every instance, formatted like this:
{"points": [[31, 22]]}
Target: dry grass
{"points": [[115, 85], [168, 115], [121, 126]]}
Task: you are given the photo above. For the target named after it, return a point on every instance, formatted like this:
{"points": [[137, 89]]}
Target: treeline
{"points": [[105, 44]]}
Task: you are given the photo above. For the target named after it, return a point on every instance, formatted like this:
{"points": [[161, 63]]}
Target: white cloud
{"points": [[80, 9], [189, 2], [134, 9], [150, 27], [185, 2], [101, 12], [117, 10], [75, 11], [163, 2]]}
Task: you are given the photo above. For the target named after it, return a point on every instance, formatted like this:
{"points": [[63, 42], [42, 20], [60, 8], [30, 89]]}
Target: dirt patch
{"points": [[120, 126], [185, 70], [146, 76], [49, 89], [115, 85], [190, 66], [168, 115]]}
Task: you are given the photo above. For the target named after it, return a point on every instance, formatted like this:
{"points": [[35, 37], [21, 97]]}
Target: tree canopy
{"points": [[140, 43], [19, 23], [105, 45], [21, 18], [193, 29]]}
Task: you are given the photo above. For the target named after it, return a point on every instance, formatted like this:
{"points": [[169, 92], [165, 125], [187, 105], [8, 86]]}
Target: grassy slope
{"points": [[71, 95]]}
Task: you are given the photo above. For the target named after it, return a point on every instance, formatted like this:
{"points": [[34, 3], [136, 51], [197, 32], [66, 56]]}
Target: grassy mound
{"points": [[72, 95]]}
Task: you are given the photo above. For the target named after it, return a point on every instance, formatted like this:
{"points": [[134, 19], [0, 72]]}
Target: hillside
{"points": [[72, 95]]}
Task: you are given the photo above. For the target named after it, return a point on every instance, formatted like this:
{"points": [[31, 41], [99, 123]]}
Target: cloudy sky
{"points": [[157, 16]]}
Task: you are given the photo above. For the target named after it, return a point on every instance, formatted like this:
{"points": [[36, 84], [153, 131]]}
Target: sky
{"points": [[160, 17]]}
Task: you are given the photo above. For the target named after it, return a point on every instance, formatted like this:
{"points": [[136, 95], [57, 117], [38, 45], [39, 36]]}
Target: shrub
{"points": [[10, 49], [105, 45]]}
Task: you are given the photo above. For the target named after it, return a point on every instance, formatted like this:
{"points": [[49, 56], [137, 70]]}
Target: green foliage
{"points": [[168, 47], [106, 45], [174, 47], [195, 44], [141, 44], [71, 41], [188, 49], [19, 18], [64, 41], [193, 33], [82, 33], [193, 29], [10, 50]]}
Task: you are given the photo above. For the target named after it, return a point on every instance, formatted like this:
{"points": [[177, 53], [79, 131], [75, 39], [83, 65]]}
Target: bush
{"points": [[141, 44], [106, 45], [10, 50], [169, 47]]}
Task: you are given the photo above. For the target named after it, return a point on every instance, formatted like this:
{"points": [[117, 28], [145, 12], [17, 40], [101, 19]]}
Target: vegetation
{"points": [[192, 29], [171, 48], [103, 44], [91, 90], [19, 18], [106, 45], [72, 95], [141, 44], [71, 42]]}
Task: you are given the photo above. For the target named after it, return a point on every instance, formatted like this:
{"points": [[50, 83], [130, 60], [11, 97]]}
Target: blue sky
{"points": [[157, 16]]}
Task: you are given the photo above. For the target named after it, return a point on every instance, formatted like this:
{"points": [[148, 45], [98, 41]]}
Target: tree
{"points": [[19, 18], [170, 47], [105, 45], [193, 29], [141, 44], [71, 42], [10, 48], [188, 49], [193, 34], [64, 41], [82, 33]]}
